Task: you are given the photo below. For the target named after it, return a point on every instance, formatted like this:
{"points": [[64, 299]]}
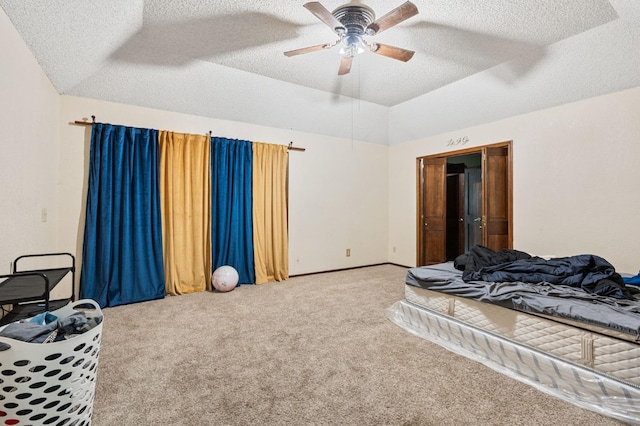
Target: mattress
{"points": [[540, 298], [600, 349], [580, 347]]}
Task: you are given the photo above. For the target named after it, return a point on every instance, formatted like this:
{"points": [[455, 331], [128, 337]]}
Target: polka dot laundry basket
{"points": [[51, 383]]}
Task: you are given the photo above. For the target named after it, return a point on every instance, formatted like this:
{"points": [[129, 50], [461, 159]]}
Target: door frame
{"points": [[482, 149]]}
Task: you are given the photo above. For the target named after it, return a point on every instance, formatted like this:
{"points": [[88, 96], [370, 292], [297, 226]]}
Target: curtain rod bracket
{"points": [[290, 147], [85, 121]]}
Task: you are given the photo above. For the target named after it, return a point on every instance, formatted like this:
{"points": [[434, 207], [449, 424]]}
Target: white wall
{"points": [[575, 177], [29, 108], [337, 189]]}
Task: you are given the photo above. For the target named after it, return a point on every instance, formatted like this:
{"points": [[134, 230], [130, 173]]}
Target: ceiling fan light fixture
{"points": [[352, 22], [352, 45]]}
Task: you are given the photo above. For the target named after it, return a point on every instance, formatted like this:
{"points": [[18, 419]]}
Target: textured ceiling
{"points": [[476, 61], [75, 40]]}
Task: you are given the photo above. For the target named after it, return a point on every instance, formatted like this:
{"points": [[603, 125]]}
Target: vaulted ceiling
{"points": [[144, 51]]}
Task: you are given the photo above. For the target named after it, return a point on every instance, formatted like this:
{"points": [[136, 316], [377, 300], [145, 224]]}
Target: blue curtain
{"points": [[122, 254], [231, 207]]}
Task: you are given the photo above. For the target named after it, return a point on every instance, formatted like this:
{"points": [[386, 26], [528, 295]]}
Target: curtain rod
{"points": [[85, 122]]}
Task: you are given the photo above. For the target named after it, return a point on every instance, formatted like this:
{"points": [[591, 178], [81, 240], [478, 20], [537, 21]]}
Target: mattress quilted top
{"points": [[562, 301]]}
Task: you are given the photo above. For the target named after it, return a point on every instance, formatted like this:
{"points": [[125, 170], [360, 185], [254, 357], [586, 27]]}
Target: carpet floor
{"points": [[313, 350]]}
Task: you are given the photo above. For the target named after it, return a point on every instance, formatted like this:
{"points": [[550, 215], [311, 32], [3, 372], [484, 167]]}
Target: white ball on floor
{"points": [[224, 278]]}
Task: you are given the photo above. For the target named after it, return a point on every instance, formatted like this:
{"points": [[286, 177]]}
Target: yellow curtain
{"points": [[185, 185], [270, 238]]}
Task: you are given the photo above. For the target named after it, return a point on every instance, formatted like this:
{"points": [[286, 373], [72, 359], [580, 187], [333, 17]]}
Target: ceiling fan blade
{"points": [[392, 52], [394, 17], [345, 65], [325, 16], [307, 49]]}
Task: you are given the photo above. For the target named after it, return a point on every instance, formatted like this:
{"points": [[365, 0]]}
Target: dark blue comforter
{"points": [[589, 272]]}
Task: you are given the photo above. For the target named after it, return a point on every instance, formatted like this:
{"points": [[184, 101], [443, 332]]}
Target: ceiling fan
{"points": [[352, 22]]}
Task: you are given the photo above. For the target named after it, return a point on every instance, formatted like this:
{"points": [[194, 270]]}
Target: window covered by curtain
{"points": [[165, 209], [186, 211], [231, 206], [122, 251], [270, 236]]}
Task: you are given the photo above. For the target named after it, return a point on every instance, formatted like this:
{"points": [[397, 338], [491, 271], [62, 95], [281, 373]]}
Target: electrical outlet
{"points": [[348, 252], [394, 249], [44, 214]]}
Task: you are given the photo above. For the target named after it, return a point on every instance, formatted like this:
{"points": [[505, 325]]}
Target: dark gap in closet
{"points": [[464, 203]]}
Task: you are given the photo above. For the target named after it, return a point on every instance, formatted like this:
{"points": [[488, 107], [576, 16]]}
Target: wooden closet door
{"points": [[434, 221], [496, 233]]}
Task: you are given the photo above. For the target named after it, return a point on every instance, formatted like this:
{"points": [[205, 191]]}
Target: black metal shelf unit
{"points": [[29, 290]]}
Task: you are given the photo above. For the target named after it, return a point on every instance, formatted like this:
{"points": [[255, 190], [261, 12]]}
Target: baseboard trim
{"points": [[348, 269], [399, 265]]}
